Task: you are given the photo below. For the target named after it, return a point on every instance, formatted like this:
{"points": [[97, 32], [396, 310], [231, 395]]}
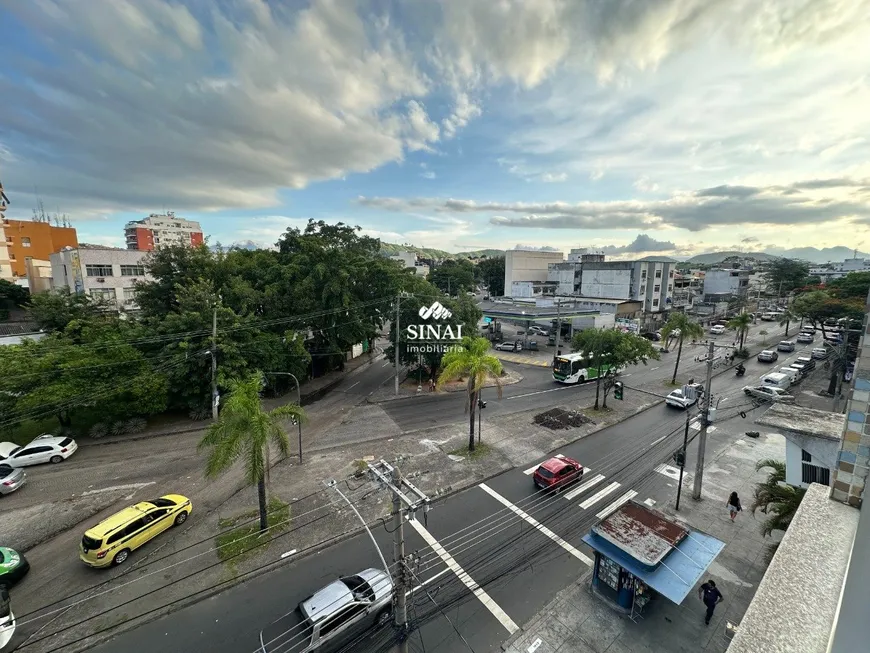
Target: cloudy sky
{"points": [[666, 126]]}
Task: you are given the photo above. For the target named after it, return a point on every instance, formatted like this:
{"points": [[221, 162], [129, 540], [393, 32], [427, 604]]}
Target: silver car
{"points": [[11, 479], [333, 616]]}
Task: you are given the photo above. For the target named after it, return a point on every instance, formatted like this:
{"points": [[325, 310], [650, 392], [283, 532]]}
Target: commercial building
{"points": [[839, 270], [107, 273], [528, 265], [720, 281], [409, 260], [649, 281], [158, 231], [23, 241]]}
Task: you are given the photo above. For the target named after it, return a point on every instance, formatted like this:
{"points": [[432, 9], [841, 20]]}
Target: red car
{"points": [[557, 472]]}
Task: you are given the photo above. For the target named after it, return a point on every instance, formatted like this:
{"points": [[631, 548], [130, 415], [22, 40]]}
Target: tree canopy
{"points": [[490, 273], [453, 277], [786, 274]]}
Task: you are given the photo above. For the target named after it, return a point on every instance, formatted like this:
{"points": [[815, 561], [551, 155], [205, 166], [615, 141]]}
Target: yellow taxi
{"points": [[112, 540]]}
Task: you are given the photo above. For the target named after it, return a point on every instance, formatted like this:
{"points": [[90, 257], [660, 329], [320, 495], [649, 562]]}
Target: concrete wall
{"points": [[565, 274], [726, 281], [520, 265], [608, 282], [62, 267]]}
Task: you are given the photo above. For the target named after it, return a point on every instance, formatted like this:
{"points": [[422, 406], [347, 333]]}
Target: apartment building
{"points": [[107, 273], [720, 282], [30, 242], [648, 281], [528, 265], [158, 231], [409, 260]]}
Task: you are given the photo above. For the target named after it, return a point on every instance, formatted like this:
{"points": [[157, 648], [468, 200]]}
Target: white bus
{"points": [[576, 368], [771, 316]]}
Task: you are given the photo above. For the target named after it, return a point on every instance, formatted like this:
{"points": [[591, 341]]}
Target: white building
{"points": [[158, 231], [5, 261], [106, 273], [813, 441], [719, 281], [839, 270], [528, 265], [649, 281], [409, 260]]}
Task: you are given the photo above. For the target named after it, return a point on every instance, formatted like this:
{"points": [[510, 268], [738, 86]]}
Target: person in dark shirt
{"points": [[710, 595]]}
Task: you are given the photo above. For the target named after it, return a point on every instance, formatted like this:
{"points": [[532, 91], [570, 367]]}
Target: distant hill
{"points": [[814, 255], [427, 252], [717, 257]]}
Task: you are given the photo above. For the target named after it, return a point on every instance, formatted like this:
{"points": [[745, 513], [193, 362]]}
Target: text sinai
{"points": [[434, 332]]}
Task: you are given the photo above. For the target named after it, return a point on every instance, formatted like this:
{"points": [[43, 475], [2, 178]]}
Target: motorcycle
{"points": [[740, 371]]}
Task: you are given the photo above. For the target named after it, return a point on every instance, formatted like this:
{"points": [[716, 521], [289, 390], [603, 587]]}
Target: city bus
{"points": [[576, 368]]}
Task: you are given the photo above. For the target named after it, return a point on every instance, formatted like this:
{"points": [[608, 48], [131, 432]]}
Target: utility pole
{"points": [[214, 390], [705, 420], [558, 327], [683, 461], [396, 356]]}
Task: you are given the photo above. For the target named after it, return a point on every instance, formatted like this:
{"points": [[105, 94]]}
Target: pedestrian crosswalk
{"points": [[522, 359], [696, 425]]}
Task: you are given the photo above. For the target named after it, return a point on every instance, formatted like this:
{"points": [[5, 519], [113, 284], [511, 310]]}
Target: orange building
{"points": [[36, 240]]}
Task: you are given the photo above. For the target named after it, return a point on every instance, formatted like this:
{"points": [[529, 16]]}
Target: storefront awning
{"points": [[680, 570]]}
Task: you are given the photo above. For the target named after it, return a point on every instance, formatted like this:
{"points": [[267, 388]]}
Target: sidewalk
{"points": [[576, 621]]}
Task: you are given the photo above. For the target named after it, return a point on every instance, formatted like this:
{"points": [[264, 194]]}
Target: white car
{"points": [[717, 329], [510, 346], [43, 449], [820, 353], [6, 450], [678, 399], [768, 393]]}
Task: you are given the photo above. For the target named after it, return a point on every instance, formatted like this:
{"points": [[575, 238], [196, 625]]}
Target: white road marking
{"points": [[613, 506], [478, 591], [670, 472], [353, 386], [428, 580], [531, 470], [535, 645], [536, 524], [650, 502], [598, 496], [657, 441], [576, 492], [288, 554], [653, 369], [695, 424], [539, 392], [131, 486]]}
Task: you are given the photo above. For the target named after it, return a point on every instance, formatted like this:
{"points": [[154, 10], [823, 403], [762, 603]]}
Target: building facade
{"points": [[106, 273], [410, 261], [158, 231], [719, 281], [839, 270], [24, 240], [528, 265], [650, 282]]}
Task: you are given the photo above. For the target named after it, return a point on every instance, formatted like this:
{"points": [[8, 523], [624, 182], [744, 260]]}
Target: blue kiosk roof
{"points": [[680, 570]]}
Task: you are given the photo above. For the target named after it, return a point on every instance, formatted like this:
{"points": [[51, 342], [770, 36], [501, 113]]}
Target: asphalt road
{"points": [[515, 559]]}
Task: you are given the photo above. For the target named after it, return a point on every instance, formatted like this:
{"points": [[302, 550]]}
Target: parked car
{"points": [[820, 353], [539, 331], [112, 540], [805, 338], [11, 478], [794, 375], [785, 345], [44, 449], [651, 336], [510, 346], [768, 393], [777, 380], [801, 369], [339, 612], [767, 356], [555, 473], [717, 329], [808, 328], [7, 449], [678, 399], [809, 361], [13, 566]]}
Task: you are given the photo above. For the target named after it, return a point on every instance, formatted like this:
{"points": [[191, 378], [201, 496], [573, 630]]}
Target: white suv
{"points": [[44, 449]]}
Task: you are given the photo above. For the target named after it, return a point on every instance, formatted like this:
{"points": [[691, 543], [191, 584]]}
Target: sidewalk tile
{"points": [[552, 633], [576, 644]]}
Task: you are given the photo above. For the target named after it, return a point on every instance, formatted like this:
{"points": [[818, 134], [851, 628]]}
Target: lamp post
{"points": [[298, 401]]}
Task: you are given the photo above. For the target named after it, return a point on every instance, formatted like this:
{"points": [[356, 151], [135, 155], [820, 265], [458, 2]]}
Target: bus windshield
{"points": [[562, 366]]}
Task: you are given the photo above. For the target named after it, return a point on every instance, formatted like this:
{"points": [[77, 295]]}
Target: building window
{"points": [[643, 274], [813, 473], [657, 288], [656, 301], [105, 294], [671, 274], [25, 241], [99, 270], [129, 296], [670, 288], [132, 271], [806, 457], [658, 274]]}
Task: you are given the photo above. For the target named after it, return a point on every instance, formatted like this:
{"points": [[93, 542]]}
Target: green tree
{"points": [[611, 349], [490, 273], [11, 294], [453, 277], [818, 306], [741, 323], [784, 275], [54, 310], [472, 360], [245, 432], [788, 316], [853, 286], [775, 498], [680, 322], [172, 269]]}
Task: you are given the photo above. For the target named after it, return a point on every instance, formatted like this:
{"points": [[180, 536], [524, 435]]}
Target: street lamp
{"points": [[298, 401]]}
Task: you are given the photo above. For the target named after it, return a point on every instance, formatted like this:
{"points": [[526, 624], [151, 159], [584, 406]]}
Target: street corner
{"points": [[508, 377]]}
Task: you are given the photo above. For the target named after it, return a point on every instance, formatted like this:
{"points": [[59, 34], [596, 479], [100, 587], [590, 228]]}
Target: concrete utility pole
{"points": [[407, 498], [214, 390], [558, 327], [396, 356], [705, 420], [683, 461]]}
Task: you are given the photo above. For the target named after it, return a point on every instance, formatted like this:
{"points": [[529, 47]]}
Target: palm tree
{"points": [[775, 498], [244, 431], [471, 359], [787, 318], [687, 329], [740, 323]]}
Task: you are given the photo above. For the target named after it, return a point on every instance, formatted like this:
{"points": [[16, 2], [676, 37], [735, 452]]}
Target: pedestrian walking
{"points": [[431, 385], [710, 595], [734, 505]]}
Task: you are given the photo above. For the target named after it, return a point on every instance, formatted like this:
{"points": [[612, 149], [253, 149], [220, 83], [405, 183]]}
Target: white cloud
{"points": [[421, 130], [464, 111], [428, 174], [554, 177]]}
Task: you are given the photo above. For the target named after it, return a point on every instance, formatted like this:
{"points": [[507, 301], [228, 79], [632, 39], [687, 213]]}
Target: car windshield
{"points": [[546, 473], [5, 470], [677, 394], [162, 502]]}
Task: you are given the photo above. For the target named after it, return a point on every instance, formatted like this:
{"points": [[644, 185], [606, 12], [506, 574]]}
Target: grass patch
{"points": [[668, 384], [240, 543], [481, 449], [601, 412]]}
